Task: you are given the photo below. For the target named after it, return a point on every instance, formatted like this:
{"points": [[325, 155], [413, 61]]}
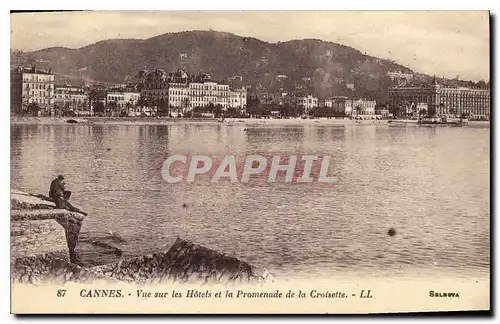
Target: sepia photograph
{"points": [[274, 162]]}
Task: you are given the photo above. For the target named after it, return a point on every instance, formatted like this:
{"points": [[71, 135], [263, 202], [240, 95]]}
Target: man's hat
{"points": [[60, 177]]}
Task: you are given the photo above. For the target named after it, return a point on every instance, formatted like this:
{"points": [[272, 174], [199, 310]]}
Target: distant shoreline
{"points": [[181, 121], [18, 120]]}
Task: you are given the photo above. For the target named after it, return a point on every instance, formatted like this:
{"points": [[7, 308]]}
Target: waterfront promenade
{"points": [[17, 120]]}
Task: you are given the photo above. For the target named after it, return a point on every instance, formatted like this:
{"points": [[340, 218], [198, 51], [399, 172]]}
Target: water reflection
{"points": [[431, 184]]}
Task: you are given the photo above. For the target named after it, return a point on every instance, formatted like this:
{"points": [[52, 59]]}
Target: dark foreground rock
{"points": [[184, 262]]}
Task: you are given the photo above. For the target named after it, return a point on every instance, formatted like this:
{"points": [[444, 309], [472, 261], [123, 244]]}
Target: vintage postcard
{"points": [[275, 162]]}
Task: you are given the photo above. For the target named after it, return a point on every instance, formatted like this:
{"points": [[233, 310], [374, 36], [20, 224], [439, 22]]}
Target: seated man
{"points": [[61, 196]]}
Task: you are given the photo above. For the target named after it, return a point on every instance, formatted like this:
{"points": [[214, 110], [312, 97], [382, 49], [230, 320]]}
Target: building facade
{"points": [[440, 101], [32, 92], [238, 99], [179, 96], [71, 98], [202, 94], [154, 85], [338, 106], [182, 92], [307, 103], [123, 99], [361, 107]]}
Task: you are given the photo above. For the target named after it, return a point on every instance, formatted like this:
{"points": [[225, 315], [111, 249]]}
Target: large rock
{"points": [[184, 262], [43, 249], [38, 230], [37, 237], [71, 223]]}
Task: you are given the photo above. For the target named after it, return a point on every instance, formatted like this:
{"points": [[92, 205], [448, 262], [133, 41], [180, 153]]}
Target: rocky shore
{"points": [[46, 248]]}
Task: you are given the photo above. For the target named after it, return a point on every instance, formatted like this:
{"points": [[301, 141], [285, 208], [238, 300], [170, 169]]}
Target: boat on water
{"points": [[403, 122], [75, 120], [430, 121], [444, 120]]}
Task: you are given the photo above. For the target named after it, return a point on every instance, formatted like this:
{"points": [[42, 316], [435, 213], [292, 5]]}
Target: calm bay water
{"points": [[429, 183]]}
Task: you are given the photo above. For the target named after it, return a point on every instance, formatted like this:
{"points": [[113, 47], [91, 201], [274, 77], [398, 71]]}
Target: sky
{"points": [[441, 43]]}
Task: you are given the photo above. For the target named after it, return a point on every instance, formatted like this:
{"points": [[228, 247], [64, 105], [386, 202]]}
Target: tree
{"points": [[300, 110], [185, 105], [95, 100], [253, 104], [322, 111], [232, 113], [163, 109], [57, 110], [482, 85], [289, 110], [218, 111], [112, 107], [211, 108], [128, 105], [431, 111], [66, 109], [358, 110], [140, 103], [34, 109], [98, 108]]}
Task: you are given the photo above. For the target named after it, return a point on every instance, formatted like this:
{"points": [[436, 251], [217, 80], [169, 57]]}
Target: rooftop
{"points": [[33, 70]]}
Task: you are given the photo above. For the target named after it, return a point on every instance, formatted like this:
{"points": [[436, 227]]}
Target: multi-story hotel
{"points": [[153, 85], [361, 107], [440, 100], [123, 98], [71, 98], [238, 99], [32, 86], [183, 92]]}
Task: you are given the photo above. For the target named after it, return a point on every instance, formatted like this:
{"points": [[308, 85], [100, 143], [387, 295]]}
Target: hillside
{"points": [[311, 65]]}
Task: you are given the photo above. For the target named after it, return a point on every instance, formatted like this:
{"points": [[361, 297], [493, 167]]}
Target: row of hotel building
{"points": [[412, 101], [182, 93], [178, 91]]}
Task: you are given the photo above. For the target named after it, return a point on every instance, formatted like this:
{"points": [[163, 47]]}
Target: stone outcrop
{"points": [[22, 200], [27, 209], [44, 249], [49, 269], [30, 238], [184, 262]]}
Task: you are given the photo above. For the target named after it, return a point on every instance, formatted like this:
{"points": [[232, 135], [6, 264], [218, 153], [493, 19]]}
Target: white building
{"points": [[179, 96], [238, 99], [123, 99], [209, 92], [32, 86], [183, 93], [308, 103], [361, 107], [71, 98]]}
